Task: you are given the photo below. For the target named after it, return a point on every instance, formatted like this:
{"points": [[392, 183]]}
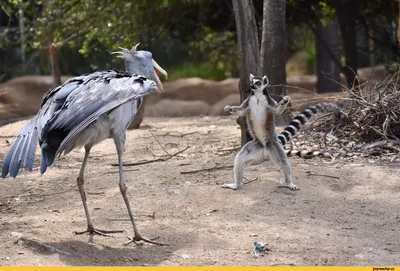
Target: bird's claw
{"points": [[146, 240], [98, 232]]}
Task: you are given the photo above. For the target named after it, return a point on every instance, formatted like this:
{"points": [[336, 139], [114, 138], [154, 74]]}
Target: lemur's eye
{"points": [[258, 83]]}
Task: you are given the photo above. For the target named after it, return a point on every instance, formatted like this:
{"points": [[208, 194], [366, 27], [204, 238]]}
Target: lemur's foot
{"points": [[290, 186], [233, 186]]}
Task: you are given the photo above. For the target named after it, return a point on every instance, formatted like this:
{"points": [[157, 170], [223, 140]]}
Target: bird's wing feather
{"points": [[62, 91], [95, 99], [95, 95], [90, 119]]}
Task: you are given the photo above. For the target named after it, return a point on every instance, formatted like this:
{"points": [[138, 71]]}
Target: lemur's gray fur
{"points": [[260, 110]]}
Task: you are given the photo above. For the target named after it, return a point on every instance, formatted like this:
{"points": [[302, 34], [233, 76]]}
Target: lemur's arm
{"points": [[240, 110], [281, 106]]}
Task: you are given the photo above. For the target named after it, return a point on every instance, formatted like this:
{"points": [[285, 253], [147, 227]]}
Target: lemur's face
{"points": [[258, 85]]}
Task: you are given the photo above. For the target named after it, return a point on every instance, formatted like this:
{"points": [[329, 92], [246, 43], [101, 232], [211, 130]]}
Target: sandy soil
{"points": [[350, 215]]}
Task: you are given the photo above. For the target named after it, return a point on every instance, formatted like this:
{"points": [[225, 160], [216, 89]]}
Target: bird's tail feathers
{"points": [[47, 158], [22, 151]]}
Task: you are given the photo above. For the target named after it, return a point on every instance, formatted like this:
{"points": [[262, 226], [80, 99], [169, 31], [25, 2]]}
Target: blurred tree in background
{"points": [[187, 37]]}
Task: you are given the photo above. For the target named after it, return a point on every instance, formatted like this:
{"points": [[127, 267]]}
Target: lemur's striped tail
{"points": [[295, 125], [309, 154]]}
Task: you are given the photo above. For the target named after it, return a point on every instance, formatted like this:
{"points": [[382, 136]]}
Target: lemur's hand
{"points": [[285, 100], [227, 109]]}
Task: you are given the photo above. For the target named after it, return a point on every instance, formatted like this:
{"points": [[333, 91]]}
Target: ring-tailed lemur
{"points": [[260, 110]]}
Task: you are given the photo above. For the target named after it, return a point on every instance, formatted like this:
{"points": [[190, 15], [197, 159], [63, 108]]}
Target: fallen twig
{"points": [[231, 149], [159, 143], [183, 135], [153, 215], [152, 161], [169, 134], [322, 175], [250, 181], [206, 169], [117, 171]]}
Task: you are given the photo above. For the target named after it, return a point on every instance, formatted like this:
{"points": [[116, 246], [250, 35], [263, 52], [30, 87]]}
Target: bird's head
{"points": [[142, 63]]}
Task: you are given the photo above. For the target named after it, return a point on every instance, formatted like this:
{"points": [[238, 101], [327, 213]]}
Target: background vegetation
{"points": [[187, 37]]}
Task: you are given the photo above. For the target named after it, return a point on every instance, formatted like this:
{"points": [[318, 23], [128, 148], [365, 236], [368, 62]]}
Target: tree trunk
{"points": [[272, 60], [328, 70], [22, 33], [346, 12], [55, 67], [398, 22], [248, 45]]}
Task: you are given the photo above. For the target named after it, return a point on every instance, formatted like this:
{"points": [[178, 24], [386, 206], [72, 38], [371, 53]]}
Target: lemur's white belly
{"points": [[257, 119]]}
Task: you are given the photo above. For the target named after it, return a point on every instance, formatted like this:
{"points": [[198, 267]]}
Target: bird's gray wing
{"points": [[55, 98], [95, 99], [95, 95], [108, 107], [23, 148], [61, 92]]}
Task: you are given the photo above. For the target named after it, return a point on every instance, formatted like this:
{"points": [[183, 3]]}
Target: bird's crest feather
{"points": [[126, 53]]}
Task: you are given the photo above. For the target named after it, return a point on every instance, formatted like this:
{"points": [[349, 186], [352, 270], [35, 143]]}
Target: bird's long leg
{"points": [[119, 140], [81, 181]]}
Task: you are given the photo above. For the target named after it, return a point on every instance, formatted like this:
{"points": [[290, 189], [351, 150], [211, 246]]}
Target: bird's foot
{"points": [[92, 230], [146, 240]]}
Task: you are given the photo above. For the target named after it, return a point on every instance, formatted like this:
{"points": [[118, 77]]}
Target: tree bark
{"points": [[398, 22], [248, 45], [272, 61], [55, 67], [328, 70], [346, 12]]}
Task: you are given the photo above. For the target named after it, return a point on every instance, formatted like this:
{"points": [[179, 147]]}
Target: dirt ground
{"points": [[349, 214]]}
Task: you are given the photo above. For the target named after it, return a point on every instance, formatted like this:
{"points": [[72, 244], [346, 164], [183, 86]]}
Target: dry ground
{"points": [[349, 217]]}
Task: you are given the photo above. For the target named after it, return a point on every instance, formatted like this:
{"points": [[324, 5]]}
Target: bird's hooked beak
{"points": [[159, 71]]}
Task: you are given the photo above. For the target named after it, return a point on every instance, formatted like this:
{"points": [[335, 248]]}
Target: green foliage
{"points": [[220, 49], [187, 37], [176, 31], [327, 13], [203, 70], [304, 60]]}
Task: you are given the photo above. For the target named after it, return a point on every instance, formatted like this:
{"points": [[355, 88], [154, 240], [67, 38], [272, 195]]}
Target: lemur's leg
{"points": [[252, 152], [277, 155], [281, 106]]}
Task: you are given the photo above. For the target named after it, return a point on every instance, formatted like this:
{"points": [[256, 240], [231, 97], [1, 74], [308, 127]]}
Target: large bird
{"points": [[84, 111]]}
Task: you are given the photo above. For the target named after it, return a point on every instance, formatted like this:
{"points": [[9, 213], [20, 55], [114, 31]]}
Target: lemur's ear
{"points": [[251, 77], [265, 80]]}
